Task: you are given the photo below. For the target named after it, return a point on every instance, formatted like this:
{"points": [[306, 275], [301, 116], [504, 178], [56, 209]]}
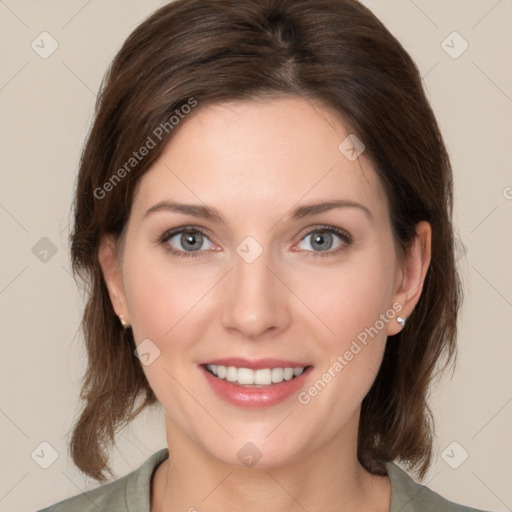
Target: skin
{"points": [[254, 161]]}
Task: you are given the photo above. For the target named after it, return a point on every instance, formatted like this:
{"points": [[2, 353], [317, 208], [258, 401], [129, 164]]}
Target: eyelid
{"points": [[324, 227], [191, 228]]}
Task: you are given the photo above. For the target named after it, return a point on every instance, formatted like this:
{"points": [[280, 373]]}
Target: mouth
{"points": [[255, 378], [266, 382]]}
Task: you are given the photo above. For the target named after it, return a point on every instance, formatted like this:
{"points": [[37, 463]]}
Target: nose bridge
{"points": [[254, 302]]}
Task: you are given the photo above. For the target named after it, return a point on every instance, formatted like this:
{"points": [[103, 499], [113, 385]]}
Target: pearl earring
{"points": [[401, 320], [123, 322]]}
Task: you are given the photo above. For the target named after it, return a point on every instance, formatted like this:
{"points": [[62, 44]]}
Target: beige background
{"points": [[46, 107]]}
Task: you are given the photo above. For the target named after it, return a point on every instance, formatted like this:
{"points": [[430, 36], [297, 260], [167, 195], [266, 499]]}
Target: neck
{"points": [[329, 478]]}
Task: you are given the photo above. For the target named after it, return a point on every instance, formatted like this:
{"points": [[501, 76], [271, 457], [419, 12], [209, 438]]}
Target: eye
{"points": [[188, 241], [185, 241], [323, 240]]}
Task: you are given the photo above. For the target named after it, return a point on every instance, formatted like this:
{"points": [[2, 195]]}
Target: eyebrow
{"points": [[209, 213]]}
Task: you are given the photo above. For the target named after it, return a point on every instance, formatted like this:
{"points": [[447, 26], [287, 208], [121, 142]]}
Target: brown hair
{"points": [[331, 51]]}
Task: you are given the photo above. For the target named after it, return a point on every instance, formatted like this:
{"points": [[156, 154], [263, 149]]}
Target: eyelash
{"points": [[343, 235]]}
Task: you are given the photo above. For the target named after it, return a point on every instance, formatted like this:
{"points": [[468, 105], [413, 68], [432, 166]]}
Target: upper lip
{"points": [[255, 364]]}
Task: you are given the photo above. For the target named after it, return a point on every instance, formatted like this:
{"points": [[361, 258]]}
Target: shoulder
{"points": [[107, 497], [409, 496], [127, 494]]}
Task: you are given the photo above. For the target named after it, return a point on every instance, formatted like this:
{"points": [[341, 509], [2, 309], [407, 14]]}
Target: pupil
{"points": [[191, 240], [320, 240]]}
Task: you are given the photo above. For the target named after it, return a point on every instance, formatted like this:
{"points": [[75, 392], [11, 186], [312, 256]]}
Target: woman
{"points": [[263, 224]]}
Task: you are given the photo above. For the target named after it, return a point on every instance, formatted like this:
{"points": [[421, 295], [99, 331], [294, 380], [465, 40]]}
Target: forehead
{"points": [[260, 154]]}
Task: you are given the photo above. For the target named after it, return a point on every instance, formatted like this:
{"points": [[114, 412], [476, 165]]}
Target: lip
{"points": [[256, 364], [247, 397]]}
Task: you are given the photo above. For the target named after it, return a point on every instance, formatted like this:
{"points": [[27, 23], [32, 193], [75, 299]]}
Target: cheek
{"points": [[352, 297], [351, 301], [159, 294], [162, 301]]}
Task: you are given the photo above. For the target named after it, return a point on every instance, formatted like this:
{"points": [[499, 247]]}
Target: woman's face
{"points": [[317, 287]]}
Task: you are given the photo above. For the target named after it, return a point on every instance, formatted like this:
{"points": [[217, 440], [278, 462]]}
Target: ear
{"points": [[111, 268], [411, 274]]}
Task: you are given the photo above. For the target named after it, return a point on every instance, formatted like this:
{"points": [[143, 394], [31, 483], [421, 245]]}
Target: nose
{"points": [[256, 300]]}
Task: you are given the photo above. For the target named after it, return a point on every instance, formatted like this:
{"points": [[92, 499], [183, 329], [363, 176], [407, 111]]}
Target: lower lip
{"points": [[255, 397]]}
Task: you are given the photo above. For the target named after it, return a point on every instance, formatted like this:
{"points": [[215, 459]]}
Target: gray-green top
{"points": [[131, 493]]}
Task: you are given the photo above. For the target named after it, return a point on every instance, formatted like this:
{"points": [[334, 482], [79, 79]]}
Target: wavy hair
{"points": [[335, 52]]}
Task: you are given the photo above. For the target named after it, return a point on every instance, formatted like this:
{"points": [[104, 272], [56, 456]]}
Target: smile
{"points": [[257, 378], [264, 386]]}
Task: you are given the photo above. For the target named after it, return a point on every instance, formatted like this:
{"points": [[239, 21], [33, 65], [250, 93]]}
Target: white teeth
{"points": [[245, 376], [248, 377], [232, 374], [288, 373], [277, 375]]}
